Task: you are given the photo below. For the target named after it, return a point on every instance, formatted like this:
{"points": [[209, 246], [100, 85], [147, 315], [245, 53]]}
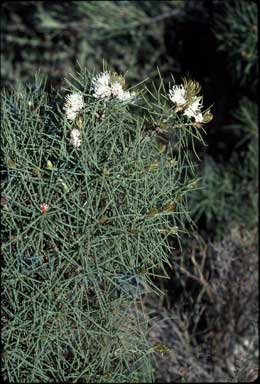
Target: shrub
{"points": [[94, 184]]}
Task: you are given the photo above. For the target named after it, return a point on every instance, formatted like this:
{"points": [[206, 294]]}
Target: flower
{"points": [[126, 96], [186, 98], [178, 95], [199, 117], [101, 86], [117, 89], [106, 86], [74, 103], [118, 92], [75, 138], [194, 110]]}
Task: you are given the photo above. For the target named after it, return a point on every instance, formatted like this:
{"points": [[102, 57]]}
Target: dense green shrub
{"points": [[91, 194], [75, 277]]}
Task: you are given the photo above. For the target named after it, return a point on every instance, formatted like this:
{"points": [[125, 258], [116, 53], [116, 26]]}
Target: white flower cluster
{"points": [[75, 138], [74, 103], [194, 110], [105, 88], [177, 94], [101, 87]]}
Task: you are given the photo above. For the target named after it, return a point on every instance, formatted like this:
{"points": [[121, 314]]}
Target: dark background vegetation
{"points": [[213, 286]]}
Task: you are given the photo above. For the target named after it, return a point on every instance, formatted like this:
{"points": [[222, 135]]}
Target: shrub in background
{"points": [[237, 32], [91, 193], [53, 36], [229, 193], [218, 284]]}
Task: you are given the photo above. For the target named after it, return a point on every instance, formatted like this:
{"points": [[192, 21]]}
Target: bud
{"points": [[44, 208], [161, 348], [49, 165]]}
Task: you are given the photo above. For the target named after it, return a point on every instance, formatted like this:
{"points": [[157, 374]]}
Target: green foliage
{"points": [[214, 287], [86, 229], [245, 124], [75, 274], [52, 37], [229, 193], [237, 33]]}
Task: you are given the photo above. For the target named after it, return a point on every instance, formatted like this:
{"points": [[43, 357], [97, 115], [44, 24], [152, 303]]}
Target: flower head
{"points": [[101, 86], [178, 95], [126, 96], [74, 103], [196, 104], [199, 117], [187, 100], [75, 138], [194, 110], [107, 86], [117, 89]]}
